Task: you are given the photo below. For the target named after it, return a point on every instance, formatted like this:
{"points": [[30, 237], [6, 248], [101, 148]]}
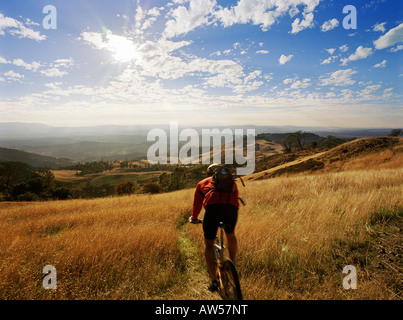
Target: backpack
{"points": [[223, 180]]}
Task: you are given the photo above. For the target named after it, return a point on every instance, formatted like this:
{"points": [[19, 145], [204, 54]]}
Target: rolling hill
{"points": [[34, 160], [380, 152]]}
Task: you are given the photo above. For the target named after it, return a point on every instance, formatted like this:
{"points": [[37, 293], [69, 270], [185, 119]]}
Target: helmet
{"points": [[212, 168]]}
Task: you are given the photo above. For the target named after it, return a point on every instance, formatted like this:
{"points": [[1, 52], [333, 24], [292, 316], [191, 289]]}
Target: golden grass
{"points": [[67, 175], [295, 236], [116, 248], [292, 229]]}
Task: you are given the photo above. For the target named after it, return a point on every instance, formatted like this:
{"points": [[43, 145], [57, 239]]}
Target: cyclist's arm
{"points": [[197, 202]]}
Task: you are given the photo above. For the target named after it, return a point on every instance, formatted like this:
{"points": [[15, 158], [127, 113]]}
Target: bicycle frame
{"points": [[219, 245]]}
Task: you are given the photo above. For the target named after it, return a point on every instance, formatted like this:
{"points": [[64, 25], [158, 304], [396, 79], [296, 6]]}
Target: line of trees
{"points": [[395, 133], [21, 182], [300, 139]]}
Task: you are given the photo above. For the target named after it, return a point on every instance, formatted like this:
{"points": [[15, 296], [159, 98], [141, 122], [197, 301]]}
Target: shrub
{"points": [[125, 188], [62, 193], [151, 187]]}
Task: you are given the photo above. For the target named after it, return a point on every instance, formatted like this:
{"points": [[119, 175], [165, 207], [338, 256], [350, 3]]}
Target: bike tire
{"points": [[231, 288]]}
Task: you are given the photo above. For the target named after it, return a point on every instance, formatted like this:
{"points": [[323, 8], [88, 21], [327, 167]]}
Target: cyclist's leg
{"points": [[209, 254], [232, 245], [210, 226], [230, 217]]}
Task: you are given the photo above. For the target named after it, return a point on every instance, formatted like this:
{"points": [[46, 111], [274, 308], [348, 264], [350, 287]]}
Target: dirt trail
{"points": [[196, 271]]}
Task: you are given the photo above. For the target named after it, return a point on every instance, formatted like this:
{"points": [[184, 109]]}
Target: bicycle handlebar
{"points": [[197, 221]]}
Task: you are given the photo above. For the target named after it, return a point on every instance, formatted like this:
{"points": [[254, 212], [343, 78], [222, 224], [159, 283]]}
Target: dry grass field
{"points": [[295, 236]]}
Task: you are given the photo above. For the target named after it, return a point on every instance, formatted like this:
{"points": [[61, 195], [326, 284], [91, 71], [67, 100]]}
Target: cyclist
{"points": [[218, 206]]}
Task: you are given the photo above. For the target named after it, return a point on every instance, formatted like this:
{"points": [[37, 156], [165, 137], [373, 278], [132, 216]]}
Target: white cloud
{"points": [[265, 13], [53, 85], [13, 76], [298, 84], [262, 52], [379, 27], [398, 48], [360, 53], [380, 65], [29, 66], [53, 72], [65, 63], [284, 59], [217, 53], [18, 29], [95, 39], [124, 49], [33, 66], [329, 25], [343, 48], [253, 75], [339, 78], [187, 19], [390, 38], [155, 12], [299, 25], [327, 61], [331, 50], [144, 19], [288, 80], [3, 60], [54, 68], [161, 60]]}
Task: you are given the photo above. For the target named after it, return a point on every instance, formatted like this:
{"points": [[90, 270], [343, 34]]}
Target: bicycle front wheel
{"points": [[230, 287]]}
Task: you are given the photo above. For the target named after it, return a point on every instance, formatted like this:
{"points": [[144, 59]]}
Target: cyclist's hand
{"points": [[195, 221]]}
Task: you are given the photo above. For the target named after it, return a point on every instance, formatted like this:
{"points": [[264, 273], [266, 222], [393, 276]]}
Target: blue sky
{"points": [[199, 62]]}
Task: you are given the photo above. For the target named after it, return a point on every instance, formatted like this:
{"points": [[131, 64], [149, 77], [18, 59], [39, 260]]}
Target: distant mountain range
{"points": [[114, 142], [18, 130]]}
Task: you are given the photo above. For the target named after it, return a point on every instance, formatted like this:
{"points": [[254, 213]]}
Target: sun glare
{"points": [[123, 49]]}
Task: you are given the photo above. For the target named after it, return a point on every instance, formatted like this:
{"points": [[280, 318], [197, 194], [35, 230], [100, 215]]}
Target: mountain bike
{"points": [[226, 274]]}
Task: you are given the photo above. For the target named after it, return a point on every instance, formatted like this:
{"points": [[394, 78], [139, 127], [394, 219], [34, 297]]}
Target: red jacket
{"points": [[204, 195]]}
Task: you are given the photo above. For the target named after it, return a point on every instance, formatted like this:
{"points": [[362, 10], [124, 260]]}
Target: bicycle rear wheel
{"points": [[231, 289]]}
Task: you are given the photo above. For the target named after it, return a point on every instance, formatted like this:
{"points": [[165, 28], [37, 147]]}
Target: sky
{"points": [[322, 63]]}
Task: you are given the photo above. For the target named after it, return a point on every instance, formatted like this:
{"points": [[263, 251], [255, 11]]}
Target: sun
{"points": [[123, 49]]}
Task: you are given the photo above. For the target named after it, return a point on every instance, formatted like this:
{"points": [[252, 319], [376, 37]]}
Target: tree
{"points": [[19, 189], [164, 180], [48, 179], [177, 179], [36, 185], [330, 142], [62, 193], [151, 187], [125, 188], [298, 138], [287, 143], [395, 133]]}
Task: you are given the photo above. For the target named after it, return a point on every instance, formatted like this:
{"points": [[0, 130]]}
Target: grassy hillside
{"points": [[360, 154], [33, 159], [296, 233]]}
